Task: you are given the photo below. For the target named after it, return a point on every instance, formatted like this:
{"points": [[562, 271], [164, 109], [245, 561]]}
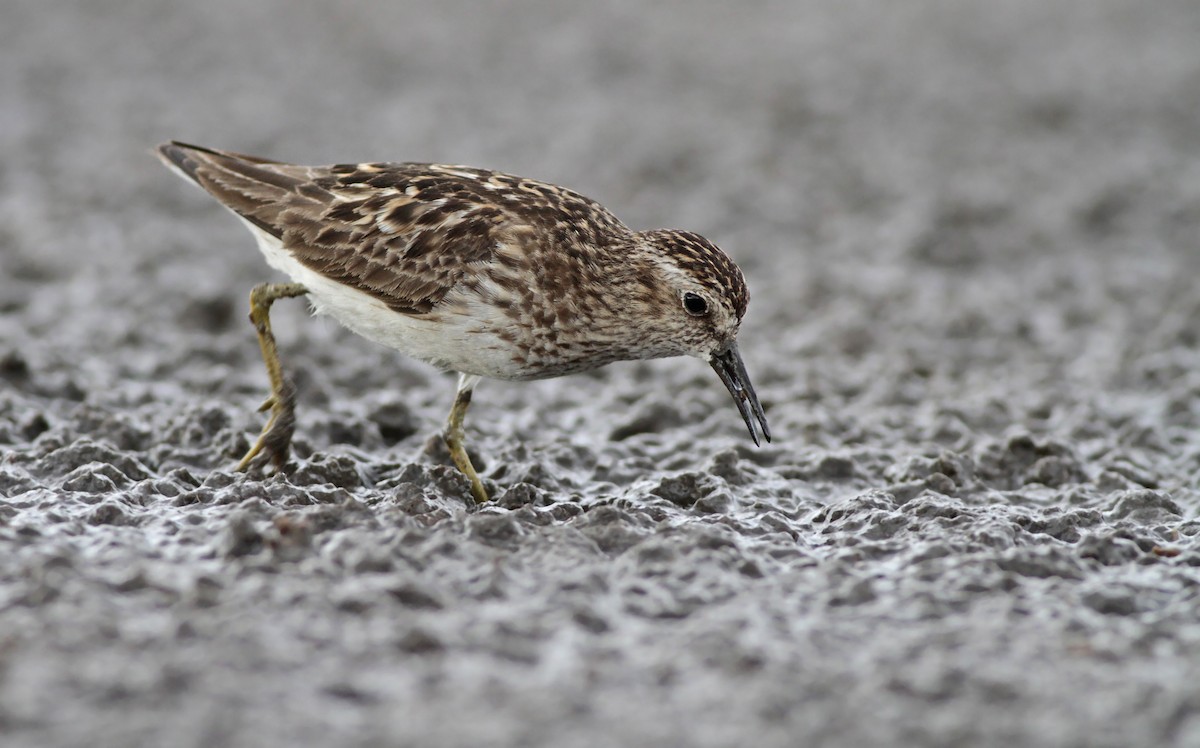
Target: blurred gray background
{"points": [[970, 231]]}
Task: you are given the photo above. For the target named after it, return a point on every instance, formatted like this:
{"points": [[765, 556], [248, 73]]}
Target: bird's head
{"points": [[700, 297]]}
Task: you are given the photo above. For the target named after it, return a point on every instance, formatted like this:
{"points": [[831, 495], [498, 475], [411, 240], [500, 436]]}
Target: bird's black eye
{"points": [[695, 305]]}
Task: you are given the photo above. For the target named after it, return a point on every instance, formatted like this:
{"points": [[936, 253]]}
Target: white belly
{"points": [[458, 338]]}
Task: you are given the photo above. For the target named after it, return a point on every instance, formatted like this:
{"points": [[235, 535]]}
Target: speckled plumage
{"points": [[480, 272]]}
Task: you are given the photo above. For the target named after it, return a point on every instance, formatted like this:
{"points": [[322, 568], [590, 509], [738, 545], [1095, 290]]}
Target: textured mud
{"points": [[971, 233]]}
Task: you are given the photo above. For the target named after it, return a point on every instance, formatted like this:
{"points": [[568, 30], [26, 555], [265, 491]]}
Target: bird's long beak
{"points": [[729, 367]]}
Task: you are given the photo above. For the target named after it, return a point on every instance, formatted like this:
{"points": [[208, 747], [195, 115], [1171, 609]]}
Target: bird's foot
{"points": [[276, 438]]}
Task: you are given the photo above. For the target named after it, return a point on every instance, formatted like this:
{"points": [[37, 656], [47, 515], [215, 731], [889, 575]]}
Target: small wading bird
{"points": [[473, 271]]}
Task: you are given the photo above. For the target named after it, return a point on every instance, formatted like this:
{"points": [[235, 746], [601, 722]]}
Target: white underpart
{"points": [[456, 337], [467, 382]]}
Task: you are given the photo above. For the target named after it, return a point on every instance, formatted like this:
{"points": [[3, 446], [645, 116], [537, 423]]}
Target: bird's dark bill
{"points": [[729, 367]]}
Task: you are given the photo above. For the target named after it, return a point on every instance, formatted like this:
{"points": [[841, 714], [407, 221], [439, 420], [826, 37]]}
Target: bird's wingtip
{"points": [[174, 154]]}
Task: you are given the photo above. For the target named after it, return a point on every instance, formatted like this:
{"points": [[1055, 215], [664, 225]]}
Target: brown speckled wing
{"points": [[405, 233]]}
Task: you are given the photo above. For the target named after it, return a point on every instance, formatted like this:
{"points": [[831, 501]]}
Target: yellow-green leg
{"points": [[454, 435], [276, 437]]}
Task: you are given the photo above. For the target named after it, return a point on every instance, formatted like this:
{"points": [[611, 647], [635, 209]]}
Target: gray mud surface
{"points": [[971, 235]]}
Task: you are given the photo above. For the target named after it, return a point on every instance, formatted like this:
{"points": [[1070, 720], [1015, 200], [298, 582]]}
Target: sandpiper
{"points": [[474, 271]]}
